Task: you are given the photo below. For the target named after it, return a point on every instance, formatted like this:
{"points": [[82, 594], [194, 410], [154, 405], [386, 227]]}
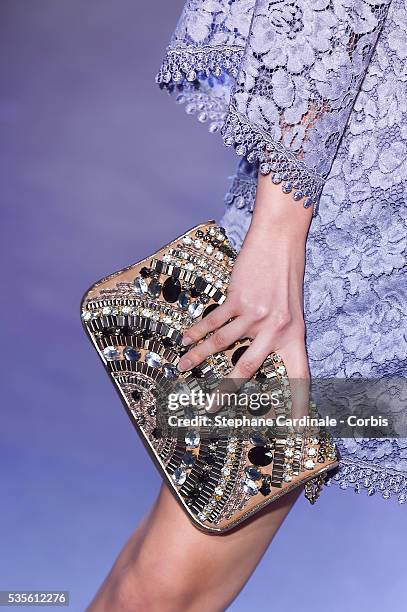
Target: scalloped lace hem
{"points": [[273, 158], [364, 476], [242, 193], [202, 78], [198, 63]]}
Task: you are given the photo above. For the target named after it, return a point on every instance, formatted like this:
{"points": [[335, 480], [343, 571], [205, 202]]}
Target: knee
{"points": [[153, 590]]}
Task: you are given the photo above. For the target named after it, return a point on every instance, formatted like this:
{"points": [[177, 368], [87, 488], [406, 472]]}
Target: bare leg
{"points": [[169, 565]]}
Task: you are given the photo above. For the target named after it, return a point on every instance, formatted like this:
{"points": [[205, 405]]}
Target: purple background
{"points": [[99, 168]]}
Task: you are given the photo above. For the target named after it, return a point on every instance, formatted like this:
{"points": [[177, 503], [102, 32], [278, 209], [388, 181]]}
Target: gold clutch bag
{"points": [[135, 318]]}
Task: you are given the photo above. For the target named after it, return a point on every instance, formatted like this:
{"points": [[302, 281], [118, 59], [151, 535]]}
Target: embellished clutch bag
{"points": [[135, 318]]}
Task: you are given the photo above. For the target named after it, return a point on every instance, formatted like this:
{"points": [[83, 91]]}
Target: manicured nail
{"points": [[186, 340], [184, 364]]}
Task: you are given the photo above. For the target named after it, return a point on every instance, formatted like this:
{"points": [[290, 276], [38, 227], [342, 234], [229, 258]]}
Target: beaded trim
{"points": [[193, 75], [194, 63], [201, 78], [274, 159], [242, 193], [203, 104], [361, 475]]}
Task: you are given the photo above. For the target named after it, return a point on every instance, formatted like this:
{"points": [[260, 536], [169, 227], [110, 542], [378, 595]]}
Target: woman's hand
{"points": [[265, 295]]}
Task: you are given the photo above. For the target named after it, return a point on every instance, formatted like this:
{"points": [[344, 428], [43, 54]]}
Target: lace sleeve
{"points": [[302, 67]]}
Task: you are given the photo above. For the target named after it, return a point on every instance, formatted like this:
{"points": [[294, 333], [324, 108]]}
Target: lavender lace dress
{"points": [[313, 93]]}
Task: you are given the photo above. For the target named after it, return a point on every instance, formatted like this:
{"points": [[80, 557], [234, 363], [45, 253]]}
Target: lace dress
{"points": [[313, 93]]}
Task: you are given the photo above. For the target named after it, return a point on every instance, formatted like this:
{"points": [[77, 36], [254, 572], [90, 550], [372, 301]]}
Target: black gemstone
{"points": [[210, 460], [136, 395], [111, 331], [156, 433], [197, 373], [167, 342], [260, 455], [265, 488], [194, 493], [199, 233], [126, 330], [171, 289], [209, 309], [203, 477], [200, 284], [159, 266], [145, 272], [195, 293], [261, 376], [262, 409], [237, 354], [146, 334]]}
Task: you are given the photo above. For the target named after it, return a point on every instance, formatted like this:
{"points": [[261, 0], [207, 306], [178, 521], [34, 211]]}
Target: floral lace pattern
{"points": [[297, 72], [213, 22], [355, 297]]}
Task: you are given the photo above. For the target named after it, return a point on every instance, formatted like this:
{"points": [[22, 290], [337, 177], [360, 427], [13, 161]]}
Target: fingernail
{"points": [[184, 364], [186, 340]]}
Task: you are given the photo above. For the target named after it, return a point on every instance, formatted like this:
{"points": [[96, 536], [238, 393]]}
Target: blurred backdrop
{"points": [[98, 168]]}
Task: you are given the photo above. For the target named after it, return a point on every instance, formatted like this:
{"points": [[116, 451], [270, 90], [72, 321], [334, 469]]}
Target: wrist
{"points": [[277, 216], [279, 229]]}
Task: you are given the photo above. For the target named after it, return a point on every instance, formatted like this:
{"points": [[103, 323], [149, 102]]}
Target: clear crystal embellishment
{"points": [[140, 285], [111, 353], [192, 439], [250, 487], [195, 309], [170, 371], [179, 476], [153, 359]]}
